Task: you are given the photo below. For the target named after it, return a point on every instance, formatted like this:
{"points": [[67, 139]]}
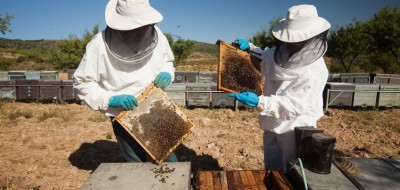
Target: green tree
{"points": [[346, 44], [385, 61], [169, 38], [5, 63], [384, 28], [264, 37], [182, 49], [5, 23], [70, 51]]}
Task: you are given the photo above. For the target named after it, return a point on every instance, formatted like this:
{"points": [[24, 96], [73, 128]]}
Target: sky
{"points": [[203, 20]]}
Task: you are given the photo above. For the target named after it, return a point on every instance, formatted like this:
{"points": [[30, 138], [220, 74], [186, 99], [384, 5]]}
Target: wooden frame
{"points": [[157, 124], [245, 78]]}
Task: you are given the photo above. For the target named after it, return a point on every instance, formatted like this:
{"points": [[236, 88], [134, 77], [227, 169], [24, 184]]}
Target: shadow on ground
{"points": [[90, 155]]}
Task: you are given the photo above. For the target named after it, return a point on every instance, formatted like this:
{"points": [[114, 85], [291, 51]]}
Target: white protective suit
{"points": [[100, 75], [292, 98]]}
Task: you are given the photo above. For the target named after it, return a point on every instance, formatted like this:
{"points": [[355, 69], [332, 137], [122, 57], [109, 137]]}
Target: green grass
{"points": [[20, 113]]}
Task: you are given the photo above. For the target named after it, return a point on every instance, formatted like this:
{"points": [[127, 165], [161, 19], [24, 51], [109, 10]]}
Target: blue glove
{"points": [[128, 102], [247, 98], [242, 44], [163, 79]]}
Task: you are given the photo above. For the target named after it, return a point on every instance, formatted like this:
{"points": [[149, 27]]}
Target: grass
{"points": [[55, 112], [98, 117], [375, 118], [109, 135], [20, 113]]}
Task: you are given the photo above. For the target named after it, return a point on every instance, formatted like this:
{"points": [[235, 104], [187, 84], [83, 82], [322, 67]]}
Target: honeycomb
{"points": [[157, 123], [238, 71]]}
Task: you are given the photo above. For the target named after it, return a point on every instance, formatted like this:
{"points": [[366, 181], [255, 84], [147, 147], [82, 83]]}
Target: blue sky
{"points": [[204, 21]]}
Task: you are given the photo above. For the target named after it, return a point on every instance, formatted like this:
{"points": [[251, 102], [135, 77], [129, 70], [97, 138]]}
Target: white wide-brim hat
{"points": [[130, 14], [301, 23]]}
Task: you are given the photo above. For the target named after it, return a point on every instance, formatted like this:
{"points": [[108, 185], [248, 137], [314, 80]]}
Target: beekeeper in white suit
{"points": [[295, 76], [121, 61]]}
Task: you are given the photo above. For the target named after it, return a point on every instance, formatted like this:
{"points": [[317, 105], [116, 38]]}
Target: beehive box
{"points": [[16, 75], [389, 99], [220, 99], [362, 78], [191, 76], [364, 98], [394, 80], [241, 179], [68, 93], [7, 89], [206, 77], [236, 72], [32, 75], [50, 90], [198, 87], [381, 78], [179, 77], [176, 92], [27, 89], [157, 124], [52, 75], [340, 98], [347, 77], [334, 77], [3, 75], [198, 99]]}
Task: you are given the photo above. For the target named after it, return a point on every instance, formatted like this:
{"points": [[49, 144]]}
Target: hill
{"points": [[204, 57]]}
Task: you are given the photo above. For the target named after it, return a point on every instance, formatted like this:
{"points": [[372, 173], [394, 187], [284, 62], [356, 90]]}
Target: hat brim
{"points": [[122, 22], [282, 33]]}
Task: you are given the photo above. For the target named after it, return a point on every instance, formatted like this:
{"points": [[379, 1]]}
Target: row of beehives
{"points": [[364, 78], [38, 90], [184, 94], [361, 95], [200, 95], [28, 75], [206, 94], [182, 76]]}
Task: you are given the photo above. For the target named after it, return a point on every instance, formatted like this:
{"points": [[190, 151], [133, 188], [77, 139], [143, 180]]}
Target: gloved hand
{"points": [[128, 102], [163, 79], [247, 98], [242, 44]]}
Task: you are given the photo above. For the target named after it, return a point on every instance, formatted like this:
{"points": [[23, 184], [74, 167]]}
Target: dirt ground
{"points": [[53, 146]]}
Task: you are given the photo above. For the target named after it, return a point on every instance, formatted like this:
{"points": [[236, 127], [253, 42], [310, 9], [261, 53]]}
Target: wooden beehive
{"points": [[241, 179], [50, 90], [340, 98], [364, 98], [236, 71], [27, 89], [157, 124]]}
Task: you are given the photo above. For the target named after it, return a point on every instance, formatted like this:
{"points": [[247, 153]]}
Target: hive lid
{"points": [[238, 71], [157, 124]]}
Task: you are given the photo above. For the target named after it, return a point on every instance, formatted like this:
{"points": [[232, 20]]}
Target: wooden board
{"points": [[157, 124], [236, 72], [241, 179]]}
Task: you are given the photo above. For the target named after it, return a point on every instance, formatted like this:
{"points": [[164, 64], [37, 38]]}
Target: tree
{"points": [[347, 43], [5, 23], [182, 49], [384, 28], [264, 37], [169, 38], [70, 51]]}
